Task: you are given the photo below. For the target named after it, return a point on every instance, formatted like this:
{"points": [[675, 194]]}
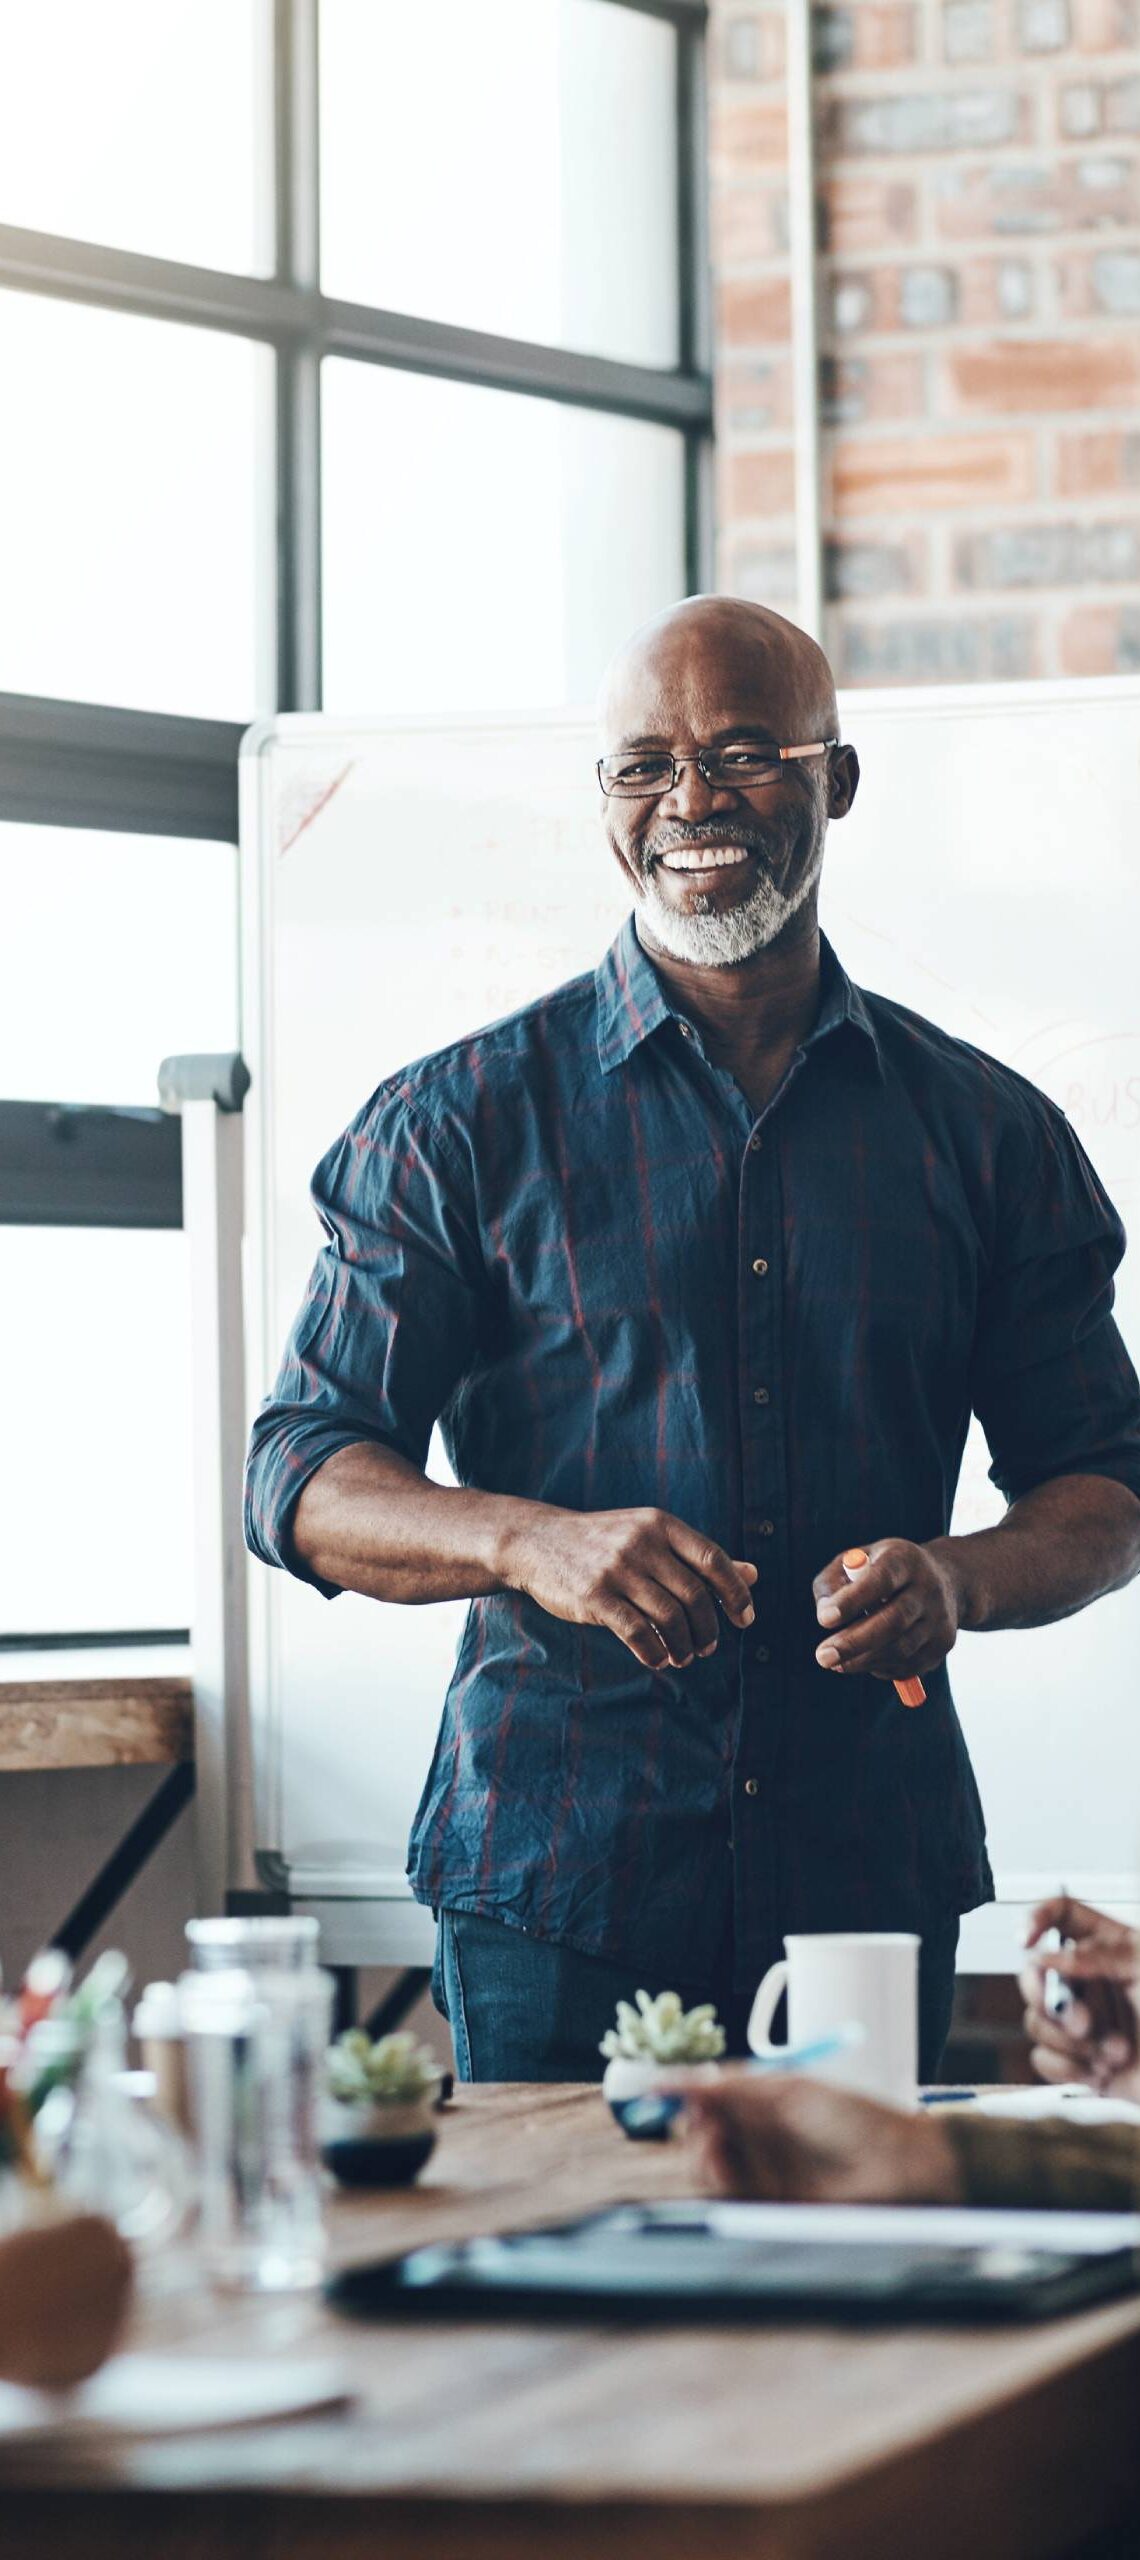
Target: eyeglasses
{"points": [[649, 774]]}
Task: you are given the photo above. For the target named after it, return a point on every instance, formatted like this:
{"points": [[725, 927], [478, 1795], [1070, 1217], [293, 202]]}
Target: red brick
{"points": [[1014, 377], [754, 313], [867, 213], [752, 395], [746, 136], [1097, 465], [876, 566], [1096, 191], [751, 44], [996, 290], [875, 35], [1100, 640], [877, 386], [933, 649], [1105, 26], [905, 475], [758, 484], [765, 570], [1106, 283], [748, 223]]}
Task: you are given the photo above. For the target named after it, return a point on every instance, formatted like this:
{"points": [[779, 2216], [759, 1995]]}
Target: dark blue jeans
{"points": [[523, 2008]]}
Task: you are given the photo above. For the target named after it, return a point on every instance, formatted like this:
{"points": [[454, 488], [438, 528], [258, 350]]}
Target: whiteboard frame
{"points": [[376, 1919]]}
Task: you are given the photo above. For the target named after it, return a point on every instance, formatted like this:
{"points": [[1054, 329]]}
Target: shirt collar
{"points": [[632, 1001]]}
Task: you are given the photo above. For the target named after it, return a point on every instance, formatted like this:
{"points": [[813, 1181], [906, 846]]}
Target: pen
{"points": [[649, 2118], [911, 1692], [799, 2057]]}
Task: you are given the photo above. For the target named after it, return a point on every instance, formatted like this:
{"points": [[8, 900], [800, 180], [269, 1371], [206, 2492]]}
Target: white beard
{"points": [[720, 941]]}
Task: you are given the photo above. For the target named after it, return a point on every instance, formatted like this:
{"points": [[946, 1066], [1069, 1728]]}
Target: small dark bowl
{"points": [[367, 2160], [647, 2118]]}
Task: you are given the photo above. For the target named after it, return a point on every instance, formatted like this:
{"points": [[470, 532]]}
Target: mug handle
{"points": [[764, 2009]]}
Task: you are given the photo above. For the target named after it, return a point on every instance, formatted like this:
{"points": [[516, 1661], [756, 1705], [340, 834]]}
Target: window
{"points": [[134, 551], [544, 204], [312, 313], [117, 951], [459, 584]]}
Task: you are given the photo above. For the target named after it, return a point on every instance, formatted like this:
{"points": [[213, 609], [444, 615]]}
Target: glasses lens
{"points": [[636, 777], [740, 765]]}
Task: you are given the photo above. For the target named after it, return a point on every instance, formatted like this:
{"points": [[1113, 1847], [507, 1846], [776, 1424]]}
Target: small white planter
{"points": [[624, 2078], [377, 2142]]}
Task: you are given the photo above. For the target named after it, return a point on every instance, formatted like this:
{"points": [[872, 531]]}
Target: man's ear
{"points": [[842, 781]]}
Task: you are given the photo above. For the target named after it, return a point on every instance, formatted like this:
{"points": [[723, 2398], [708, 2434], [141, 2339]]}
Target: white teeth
{"points": [[711, 859]]}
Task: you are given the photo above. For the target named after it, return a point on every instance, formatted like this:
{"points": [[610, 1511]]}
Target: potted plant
{"points": [[380, 2101], [647, 2040]]}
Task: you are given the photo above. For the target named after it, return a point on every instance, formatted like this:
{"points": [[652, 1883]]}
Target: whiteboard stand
{"points": [[208, 1092]]}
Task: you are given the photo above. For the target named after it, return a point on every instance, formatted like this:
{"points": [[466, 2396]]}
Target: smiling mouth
{"points": [[721, 857]]}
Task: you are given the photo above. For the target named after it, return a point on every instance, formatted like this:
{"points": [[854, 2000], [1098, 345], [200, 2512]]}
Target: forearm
{"points": [[1091, 2167], [371, 1522], [1063, 1544]]}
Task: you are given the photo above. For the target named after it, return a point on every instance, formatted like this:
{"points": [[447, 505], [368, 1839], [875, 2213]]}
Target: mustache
{"points": [[677, 838]]}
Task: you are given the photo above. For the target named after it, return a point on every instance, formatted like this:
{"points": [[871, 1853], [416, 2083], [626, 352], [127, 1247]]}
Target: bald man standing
{"points": [[702, 1263]]}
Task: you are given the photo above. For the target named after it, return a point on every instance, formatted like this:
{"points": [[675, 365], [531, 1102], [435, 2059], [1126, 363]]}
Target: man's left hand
{"points": [[802, 2141], [898, 1617]]}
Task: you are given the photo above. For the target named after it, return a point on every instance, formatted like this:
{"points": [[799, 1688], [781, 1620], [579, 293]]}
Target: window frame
{"points": [[156, 773]]}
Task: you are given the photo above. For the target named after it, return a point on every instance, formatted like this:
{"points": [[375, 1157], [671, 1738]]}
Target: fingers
{"points": [[1057, 2067], [634, 1629], [1099, 1960], [1079, 1920], [1067, 2034], [893, 1616], [890, 1642], [731, 1582], [875, 1583], [683, 1631], [690, 1600]]}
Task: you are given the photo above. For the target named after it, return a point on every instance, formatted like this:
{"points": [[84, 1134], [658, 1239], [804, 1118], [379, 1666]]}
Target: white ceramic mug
{"points": [[864, 1977]]}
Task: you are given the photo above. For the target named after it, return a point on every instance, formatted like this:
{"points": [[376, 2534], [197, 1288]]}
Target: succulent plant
{"points": [[662, 2031], [395, 2071]]}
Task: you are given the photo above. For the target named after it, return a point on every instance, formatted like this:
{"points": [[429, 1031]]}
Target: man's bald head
{"points": [[725, 647], [721, 868]]}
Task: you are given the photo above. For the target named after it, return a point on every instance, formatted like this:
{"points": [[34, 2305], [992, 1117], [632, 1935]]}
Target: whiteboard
{"points": [[988, 876]]}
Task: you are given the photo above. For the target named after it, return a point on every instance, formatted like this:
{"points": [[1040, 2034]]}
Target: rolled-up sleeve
{"points": [[388, 1321], [1053, 1385]]}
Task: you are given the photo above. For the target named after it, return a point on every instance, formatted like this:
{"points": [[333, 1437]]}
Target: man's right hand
{"points": [[654, 1582], [1096, 2035]]}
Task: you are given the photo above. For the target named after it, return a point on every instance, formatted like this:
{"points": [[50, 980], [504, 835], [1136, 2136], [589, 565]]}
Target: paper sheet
{"points": [[962, 2226]]}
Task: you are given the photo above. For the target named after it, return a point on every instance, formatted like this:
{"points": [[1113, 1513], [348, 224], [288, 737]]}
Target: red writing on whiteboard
{"points": [[1111, 1103]]}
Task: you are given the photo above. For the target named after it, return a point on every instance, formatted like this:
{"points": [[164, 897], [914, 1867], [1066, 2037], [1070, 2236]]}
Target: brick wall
{"points": [[979, 213]]}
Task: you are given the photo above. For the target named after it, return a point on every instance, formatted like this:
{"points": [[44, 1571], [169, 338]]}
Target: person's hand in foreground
{"points": [[802, 2141], [1096, 2036], [64, 2289]]}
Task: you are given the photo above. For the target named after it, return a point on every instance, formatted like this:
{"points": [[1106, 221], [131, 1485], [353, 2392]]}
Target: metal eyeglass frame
{"points": [[773, 755]]}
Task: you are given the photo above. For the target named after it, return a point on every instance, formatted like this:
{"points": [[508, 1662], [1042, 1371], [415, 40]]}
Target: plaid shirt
{"points": [[569, 1239]]}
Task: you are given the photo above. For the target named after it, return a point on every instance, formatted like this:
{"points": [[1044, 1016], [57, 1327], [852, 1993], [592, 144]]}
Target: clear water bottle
{"points": [[256, 2033], [258, 1946]]}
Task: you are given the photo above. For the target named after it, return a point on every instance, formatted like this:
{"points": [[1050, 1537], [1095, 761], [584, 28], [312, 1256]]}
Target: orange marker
{"points": [[911, 1692]]}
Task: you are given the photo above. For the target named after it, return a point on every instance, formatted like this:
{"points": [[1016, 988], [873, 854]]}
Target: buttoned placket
{"points": [[763, 1671]]}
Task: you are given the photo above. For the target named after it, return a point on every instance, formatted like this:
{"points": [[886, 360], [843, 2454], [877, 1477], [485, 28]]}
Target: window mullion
{"points": [[298, 405]]}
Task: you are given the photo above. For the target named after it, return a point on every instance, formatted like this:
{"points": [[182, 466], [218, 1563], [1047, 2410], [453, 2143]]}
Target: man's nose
{"points": [[692, 797]]}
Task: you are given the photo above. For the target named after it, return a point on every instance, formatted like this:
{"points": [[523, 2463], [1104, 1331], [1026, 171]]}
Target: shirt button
{"points": [[752, 1786], [761, 1653], [759, 1395], [686, 1031], [755, 1143], [759, 1266], [766, 1528]]}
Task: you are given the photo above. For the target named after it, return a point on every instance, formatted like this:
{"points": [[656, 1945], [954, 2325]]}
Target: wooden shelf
{"points": [[95, 1724]]}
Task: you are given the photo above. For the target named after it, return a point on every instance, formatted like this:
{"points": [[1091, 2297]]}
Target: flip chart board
{"points": [[403, 884]]}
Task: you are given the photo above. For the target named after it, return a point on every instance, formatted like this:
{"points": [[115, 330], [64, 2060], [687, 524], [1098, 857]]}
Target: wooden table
{"points": [[783, 2442]]}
